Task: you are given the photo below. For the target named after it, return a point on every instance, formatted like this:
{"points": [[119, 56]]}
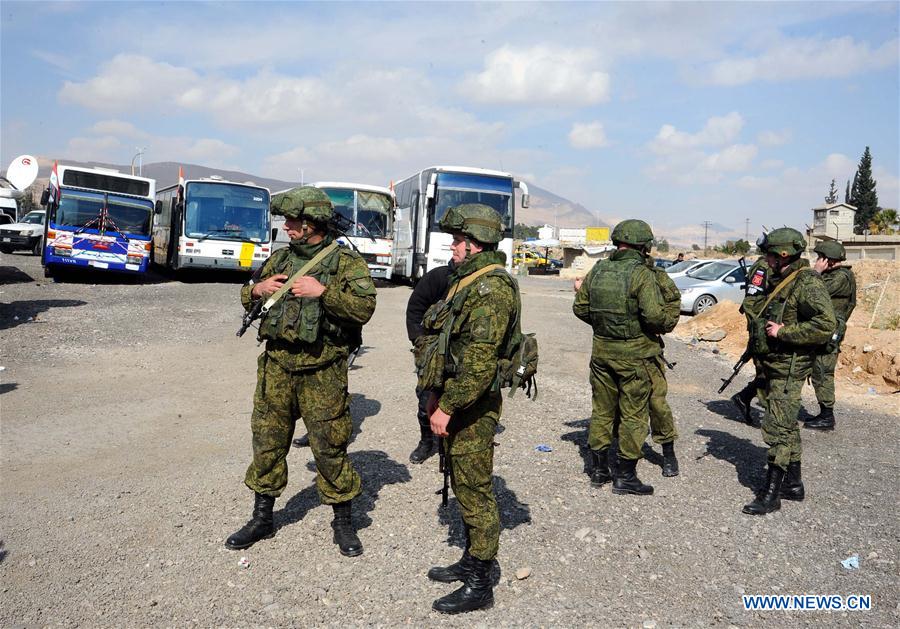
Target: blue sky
{"points": [[676, 113]]}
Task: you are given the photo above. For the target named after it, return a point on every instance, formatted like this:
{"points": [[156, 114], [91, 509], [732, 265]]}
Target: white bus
{"points": [[371, 211], [424, 198], [219, 225]]}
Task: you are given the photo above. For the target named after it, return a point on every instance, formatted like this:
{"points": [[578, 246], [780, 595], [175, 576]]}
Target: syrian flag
{"points": [[180, 185], [54, 184]]}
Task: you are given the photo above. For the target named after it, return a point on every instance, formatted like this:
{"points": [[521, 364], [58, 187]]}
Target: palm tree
{"points": [[883, 222]]}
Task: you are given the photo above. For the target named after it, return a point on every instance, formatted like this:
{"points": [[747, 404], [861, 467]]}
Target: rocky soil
{"points": [[125, 436]]}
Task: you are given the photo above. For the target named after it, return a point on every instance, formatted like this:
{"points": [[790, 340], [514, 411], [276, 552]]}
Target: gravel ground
{"points": [[125, 437]]}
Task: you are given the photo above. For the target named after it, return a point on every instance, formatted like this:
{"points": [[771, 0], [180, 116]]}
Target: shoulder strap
{"points": [[788, 280], [306, 268], [467, 280]]}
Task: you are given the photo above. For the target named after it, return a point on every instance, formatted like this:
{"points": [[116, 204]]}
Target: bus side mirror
{"points": [[274, 234], [45, 196], [526, 198], [429, 192], [158, 208]]}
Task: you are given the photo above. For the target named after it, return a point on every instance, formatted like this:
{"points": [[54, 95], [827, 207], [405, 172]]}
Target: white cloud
{"points": [[751, 182], [129, 82], [804, 58], [718, 131], [771, 164], [588, 135], [543, 74], [735, 158], [774, 138], [118, 128]]}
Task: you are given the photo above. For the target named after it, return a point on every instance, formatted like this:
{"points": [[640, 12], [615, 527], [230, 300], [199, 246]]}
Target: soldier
{"points": [[472, 324], [621, 300], [309, 335], [759, 277], [430, 289], [841, 285], [799, 319], [662, 422]]}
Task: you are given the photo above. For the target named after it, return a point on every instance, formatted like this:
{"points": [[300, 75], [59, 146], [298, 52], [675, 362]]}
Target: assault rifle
{"points": [[444, 468], [338, 225], [743, 360]]}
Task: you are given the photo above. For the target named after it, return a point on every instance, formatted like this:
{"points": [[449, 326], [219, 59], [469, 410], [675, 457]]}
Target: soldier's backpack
{"points": [[517, 364]]}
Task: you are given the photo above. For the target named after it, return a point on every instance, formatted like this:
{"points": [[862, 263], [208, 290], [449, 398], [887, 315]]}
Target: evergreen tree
{"points": [[832, 194], [865, 197], [847, 193], [853, 188]]}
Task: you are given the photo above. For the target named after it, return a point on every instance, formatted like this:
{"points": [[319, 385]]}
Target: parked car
{"points": [[26, 234], [680, 269], [722, 280], [662, 263], [556, 264], [524, 256]]}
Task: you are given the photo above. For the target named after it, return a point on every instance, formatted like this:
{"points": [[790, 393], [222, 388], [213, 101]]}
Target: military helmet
{"points": [[785, 242], [304, 202], [762, 243], [476, 220], [633, 232], [831, 249]]}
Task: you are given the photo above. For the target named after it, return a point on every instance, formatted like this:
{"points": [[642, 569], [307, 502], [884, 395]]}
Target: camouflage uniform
{"points": [[759, 286], [662, 423], [841, 285], [621, 300], [303, 371]]}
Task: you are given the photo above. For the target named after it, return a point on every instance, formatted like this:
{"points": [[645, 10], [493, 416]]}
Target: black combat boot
{"points": [[792, 486], [301, 442], [768, 501], [427, 446], [626, 480], [476, 593], [743, 399], [824, 421], [600, 472], [670, 463], [344, 535], [259, 527], [454, 572]]}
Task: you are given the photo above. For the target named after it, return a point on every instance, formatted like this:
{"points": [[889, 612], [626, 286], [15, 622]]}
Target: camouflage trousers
{"points": [[320, 397], [662, 423], [779, 426], [620, 386], [470, 448], [823, 378]]}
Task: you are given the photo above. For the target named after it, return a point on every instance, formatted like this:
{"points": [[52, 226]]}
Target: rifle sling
{"points": [[461, 284], [306, 268], [790, 278]]}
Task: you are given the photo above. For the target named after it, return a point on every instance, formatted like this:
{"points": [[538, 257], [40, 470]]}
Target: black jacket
{"points": [[429, 290]]}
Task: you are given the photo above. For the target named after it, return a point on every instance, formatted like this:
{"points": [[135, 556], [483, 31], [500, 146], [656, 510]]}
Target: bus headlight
{"points": [[383, 259], [134, 259]]}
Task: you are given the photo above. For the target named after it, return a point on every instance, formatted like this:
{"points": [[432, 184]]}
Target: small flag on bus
{"points": [[54, 184]]}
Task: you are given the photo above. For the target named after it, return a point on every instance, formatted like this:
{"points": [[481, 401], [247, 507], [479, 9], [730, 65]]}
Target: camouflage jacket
{"points": [[346, 305], [759, 285], [841, 285], [651, 314], [807, 314], [478, 333], [670, 294]]}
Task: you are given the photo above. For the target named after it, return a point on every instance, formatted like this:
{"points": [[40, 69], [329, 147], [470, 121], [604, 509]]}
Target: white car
{"points": [[703, 288], [27, 234], [680, 269]]}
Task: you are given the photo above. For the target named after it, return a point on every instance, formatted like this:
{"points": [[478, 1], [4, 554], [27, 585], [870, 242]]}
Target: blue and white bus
{"points": [[101, 219], [423, 199], [212, 224]]}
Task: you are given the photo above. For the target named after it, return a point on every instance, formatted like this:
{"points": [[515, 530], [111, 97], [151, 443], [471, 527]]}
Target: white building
{"points": [[546, 232], [834, 220]]}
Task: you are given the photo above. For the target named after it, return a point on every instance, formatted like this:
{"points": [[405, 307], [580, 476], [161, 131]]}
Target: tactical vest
{"points": [[302, 320], [776, 311], [614, 311]]}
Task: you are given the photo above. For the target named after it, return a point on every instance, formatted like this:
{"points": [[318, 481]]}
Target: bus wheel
{"points": [[38, 247], [6, 249], [48, 272]]}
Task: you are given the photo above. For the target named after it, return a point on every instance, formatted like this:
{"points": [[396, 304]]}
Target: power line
{"points": [[705, 236]]}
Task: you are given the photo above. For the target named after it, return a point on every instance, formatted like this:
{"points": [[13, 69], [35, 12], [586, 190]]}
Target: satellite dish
{"points": [[22, 171]]}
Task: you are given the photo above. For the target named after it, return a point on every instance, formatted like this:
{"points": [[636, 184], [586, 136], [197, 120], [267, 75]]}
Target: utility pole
{"points": [[705, 237], [747, 229]]}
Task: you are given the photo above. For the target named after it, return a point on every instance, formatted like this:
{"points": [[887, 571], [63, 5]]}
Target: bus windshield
{"points": [[77, 208], [226, 211], [372, 210], [457, 188]]}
